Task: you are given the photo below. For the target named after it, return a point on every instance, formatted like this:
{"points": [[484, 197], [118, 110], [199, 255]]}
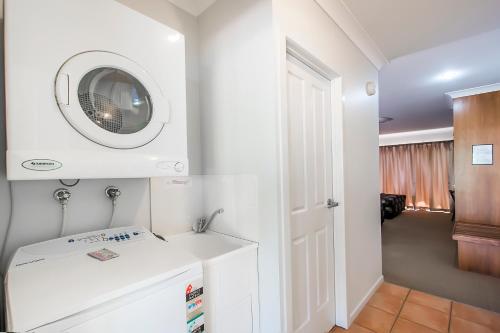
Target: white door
{"points": [[311, 187]]}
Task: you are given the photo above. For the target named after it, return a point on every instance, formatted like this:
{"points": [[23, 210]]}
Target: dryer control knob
{"points": [[179, 166], [165, 165]]}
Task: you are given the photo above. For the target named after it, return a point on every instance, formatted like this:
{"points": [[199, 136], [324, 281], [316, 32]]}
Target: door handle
{"points": [[330, 203], [62, 89]]}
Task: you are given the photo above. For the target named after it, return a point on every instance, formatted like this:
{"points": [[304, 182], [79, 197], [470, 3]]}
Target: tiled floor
{"points": [[400, 310]]}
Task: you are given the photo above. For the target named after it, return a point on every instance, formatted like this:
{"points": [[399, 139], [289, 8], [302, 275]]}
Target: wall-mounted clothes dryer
{"points": [[92, 93]]}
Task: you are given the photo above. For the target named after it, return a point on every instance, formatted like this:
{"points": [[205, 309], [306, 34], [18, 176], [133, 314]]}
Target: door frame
{"points": [[293, 49]]}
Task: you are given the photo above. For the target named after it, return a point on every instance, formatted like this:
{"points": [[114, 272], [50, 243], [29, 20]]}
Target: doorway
{"points": [[310, 178]]}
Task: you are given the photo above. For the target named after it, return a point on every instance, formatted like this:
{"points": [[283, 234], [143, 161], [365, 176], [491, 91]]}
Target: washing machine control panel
{"points": [[106, 236], [80, 243]]}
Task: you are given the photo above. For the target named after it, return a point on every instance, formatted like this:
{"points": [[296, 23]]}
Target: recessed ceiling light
{"points": [[384, 119], [448, 75]]}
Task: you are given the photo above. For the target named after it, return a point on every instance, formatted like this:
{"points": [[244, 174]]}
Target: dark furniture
{"points": [[391, 205]]}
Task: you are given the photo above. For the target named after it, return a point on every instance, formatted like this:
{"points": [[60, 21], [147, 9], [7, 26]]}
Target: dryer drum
{"points": [[115, 101], [102, 111]]}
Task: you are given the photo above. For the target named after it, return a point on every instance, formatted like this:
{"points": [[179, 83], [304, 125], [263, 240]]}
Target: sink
{"points": [[211, 246], [230, 280]]}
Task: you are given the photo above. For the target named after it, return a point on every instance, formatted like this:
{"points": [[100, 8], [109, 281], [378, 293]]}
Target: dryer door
{"points": [[111, 100]]}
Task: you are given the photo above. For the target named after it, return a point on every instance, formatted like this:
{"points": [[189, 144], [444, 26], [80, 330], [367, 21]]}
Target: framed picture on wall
{"points": [[482, 154]]}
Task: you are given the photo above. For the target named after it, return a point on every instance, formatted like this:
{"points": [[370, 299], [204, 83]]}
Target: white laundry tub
{"points": [[230, 279]]}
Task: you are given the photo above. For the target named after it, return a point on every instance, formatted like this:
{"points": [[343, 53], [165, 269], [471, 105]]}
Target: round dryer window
{"points": [[111, 100], [115, 100]]}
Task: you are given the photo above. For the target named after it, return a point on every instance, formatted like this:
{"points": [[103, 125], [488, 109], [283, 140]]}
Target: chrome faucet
{"points": [[202, 224]]}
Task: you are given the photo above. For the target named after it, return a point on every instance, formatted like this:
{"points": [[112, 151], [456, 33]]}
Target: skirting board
{"points": [[365, 300]]}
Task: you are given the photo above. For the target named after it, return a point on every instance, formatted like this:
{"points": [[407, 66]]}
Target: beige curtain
{"points": [[422, 172]]}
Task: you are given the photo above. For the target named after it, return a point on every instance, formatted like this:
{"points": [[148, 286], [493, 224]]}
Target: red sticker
{"points": [[189, 289]]}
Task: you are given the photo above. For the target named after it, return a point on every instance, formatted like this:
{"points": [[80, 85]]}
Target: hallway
{"points": [[418, 253]]}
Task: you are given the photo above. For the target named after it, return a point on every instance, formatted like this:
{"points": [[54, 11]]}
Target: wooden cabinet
{"points": [[478, 247], [477, 187]]}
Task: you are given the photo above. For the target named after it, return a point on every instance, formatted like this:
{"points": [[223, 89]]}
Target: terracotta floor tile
{"points": [[420, 313], [476, 315], [429, 300], [386, 302], [426, 316], [353, 329], [406, 326], [394, 290], [459, 325], [376, 320]]}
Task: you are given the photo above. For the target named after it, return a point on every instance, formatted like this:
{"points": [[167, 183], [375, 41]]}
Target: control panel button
{"points": [[179, 167]]}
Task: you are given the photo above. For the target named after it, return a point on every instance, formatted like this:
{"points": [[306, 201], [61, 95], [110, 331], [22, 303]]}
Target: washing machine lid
{"points": [[111, 100], [52, 280]]}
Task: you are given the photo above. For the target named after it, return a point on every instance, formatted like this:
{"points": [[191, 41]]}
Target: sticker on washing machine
{"points": [[103, 254], [194, 305], [193, 294], [197, 325], [194, 300], [194, 289]]}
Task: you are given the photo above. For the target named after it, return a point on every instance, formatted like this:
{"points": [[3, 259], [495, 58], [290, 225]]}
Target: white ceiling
{"points": [[401, 27], [413, 87], [194, 7], [423, 39]]}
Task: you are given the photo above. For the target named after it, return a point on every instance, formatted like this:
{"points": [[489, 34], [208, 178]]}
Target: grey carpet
{"points": [[418, 253]]}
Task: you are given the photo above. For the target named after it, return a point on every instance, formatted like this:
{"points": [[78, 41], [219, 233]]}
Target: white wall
{"points": [[36, 216], [304, 22], [240, 133], [239, 143], [176, 203]]}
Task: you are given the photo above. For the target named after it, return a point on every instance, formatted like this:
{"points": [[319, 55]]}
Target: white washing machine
{"points": [[56, 286], [94, 89]]}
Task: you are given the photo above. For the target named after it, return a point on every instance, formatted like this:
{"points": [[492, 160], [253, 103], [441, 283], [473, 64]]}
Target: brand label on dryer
{"points": [[41, 165]]}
